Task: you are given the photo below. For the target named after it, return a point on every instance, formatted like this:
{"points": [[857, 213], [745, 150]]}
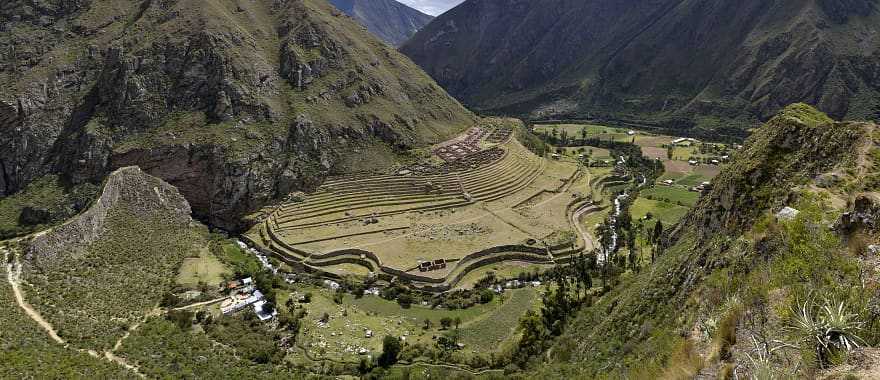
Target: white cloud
{"points": [[432, 7]]}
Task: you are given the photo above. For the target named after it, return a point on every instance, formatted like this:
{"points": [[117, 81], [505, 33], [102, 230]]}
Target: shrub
{"points": [[391, 347]]}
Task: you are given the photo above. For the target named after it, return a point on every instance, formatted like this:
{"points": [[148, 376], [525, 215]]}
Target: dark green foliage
{"points": [[27, 352], [391, 347], [250, 338], [44, 203], [486, 296], [182, 318], [162, 350], [445, 322]]}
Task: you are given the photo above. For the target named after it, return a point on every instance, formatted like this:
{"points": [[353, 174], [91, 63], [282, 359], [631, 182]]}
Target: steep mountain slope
{"points": [[234, 103], [127, 246], [390, 20], [667, 62], [725, 293]]}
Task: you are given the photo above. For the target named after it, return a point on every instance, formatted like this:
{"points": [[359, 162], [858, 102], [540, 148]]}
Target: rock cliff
{"points": [[235, 103]]}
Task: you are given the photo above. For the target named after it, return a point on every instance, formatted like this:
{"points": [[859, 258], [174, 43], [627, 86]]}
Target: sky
{"points": [[432, 7]]}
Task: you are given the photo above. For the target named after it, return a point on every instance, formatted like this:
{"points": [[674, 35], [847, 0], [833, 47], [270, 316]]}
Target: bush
{"points": [[391, 347], [181, 318], [405, 300], [486, 296]]}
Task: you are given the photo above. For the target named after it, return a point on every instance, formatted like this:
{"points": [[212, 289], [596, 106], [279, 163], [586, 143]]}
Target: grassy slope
{"points": [[45, 193], [640, 324], [26, 351], [92, 298]]}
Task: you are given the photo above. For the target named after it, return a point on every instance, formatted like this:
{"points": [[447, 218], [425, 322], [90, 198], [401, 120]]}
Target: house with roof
{"points": [[264, 313]]}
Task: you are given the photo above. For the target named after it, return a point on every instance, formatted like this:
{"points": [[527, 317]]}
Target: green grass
{"points": [[205, 268], [667, 212], [419, 313], [27, 352], [574, 130], [672, 194], [492, 330], [45, 193]]}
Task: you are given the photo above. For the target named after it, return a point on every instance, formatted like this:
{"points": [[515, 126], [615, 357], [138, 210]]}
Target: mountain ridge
{"points": [[390, 20], [681, 64]]}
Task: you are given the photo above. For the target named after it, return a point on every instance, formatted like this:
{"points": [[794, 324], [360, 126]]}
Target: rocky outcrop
{"points": [[235, 107], [693, 66], [389, 20], [864, 215], [796, 146], [130, 188]]}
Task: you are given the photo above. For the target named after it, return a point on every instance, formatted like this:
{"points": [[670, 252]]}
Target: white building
{"points": [[262, 314]]}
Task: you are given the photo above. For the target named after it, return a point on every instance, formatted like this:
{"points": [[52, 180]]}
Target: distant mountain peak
{"points": [[390, 20]]}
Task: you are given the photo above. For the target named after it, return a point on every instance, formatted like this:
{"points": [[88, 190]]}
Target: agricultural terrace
{"points": [[481, 199]]}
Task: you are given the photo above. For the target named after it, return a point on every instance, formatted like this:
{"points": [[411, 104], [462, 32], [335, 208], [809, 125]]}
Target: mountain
{"points": [[735, 273], [390, 20], [127, 246], [233, 103], [722, 65]]}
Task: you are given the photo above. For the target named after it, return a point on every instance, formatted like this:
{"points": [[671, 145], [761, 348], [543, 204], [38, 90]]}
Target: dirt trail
{"points": [[13, 276], [211, 302], [589, 240]]}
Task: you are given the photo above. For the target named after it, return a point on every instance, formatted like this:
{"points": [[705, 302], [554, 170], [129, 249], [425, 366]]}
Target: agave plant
{"points": [[827, 328], [841, 326]]}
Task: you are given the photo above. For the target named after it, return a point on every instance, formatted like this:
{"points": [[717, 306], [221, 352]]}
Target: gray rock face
{"points": [[131, 187], [233, 116], [390, 20]]}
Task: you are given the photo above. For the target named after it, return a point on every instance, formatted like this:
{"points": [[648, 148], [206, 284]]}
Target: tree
{"points": [[486, 296], [583, 133], [457, 322], [445, 322], [181, 318], [390, 350], [405, 300], [669, 151], [655, 239], [428, 324]]}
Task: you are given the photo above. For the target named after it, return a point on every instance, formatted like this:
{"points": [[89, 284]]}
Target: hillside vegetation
{"points": [[234, 103], [738, 288], [101, 272]]}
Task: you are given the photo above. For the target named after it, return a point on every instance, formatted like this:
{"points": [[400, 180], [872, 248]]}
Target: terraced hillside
{"points": [[490, 200]]}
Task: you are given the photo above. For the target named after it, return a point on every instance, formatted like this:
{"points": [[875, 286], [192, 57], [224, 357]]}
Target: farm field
{"points": [[671, 194], [668, 213], [205, 268]]}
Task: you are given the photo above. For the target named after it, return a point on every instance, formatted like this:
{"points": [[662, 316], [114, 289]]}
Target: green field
{"points": [[668, 213], [205, 268], [492, 330], [417, 313], [672, 194], [574, 130]]}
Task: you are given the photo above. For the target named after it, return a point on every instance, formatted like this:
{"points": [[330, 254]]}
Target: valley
{"points": [[352, 189]]}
